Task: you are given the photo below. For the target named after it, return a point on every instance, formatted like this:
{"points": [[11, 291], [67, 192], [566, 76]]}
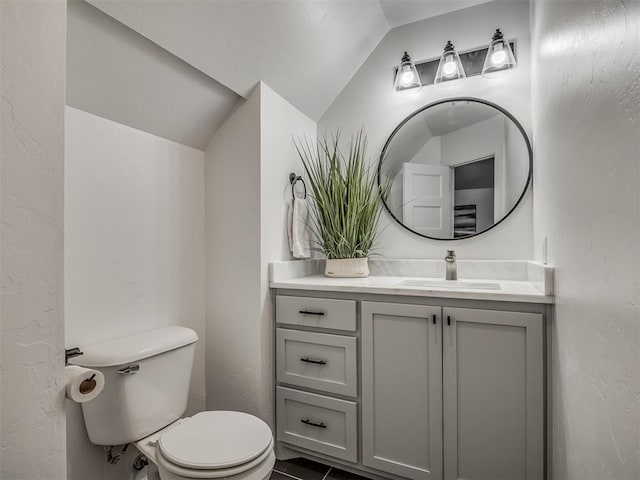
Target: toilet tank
{"points": [[147, 378]]}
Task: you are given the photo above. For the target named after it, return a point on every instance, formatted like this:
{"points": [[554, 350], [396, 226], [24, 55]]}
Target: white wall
{"points": [[234, 333], [248, 162], [32, 80], [430, 154], [480, 140], [280, 123], [517, 168], [368, 100], [134, 249], [586, 97]]}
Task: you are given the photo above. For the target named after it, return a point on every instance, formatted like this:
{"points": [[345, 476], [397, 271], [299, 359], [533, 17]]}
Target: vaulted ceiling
{"points": [[175, 68], [115, 73], [306, 50], [401, 12]]}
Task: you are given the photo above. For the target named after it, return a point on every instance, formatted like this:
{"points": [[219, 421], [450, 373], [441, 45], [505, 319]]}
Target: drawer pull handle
{"points": [[448, 320], [434, 319], [309, 312], [306, 421], [311, 360]]}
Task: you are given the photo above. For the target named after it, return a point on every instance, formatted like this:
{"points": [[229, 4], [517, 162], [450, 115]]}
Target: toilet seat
{"points": [[215, 440], [212, 444], [217, 473]]}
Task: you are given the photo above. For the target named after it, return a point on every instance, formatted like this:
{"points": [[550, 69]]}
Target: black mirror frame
{"points": [[459, 99]]}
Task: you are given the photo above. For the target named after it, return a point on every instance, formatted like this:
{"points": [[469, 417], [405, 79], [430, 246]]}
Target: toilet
{"points": [[147, 378]]}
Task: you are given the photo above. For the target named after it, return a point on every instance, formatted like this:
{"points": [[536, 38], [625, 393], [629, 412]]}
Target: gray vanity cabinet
{"points": [[402, 389], [461, 384], [493, 394], [406, 390]]}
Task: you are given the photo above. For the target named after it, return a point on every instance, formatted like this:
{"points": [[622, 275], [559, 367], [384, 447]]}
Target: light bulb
{"points": [[407, 76], [498, 57], [449, 67]]}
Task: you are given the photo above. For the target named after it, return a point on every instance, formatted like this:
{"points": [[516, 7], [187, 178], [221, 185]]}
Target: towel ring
{"points": [[293, 179]]}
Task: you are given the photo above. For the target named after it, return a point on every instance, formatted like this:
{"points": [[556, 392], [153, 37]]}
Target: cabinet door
{"points": [[493, 395], [402, 389]]}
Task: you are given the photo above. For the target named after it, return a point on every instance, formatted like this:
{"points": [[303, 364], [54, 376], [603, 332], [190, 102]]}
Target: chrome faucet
{"points": [[452, 268]]}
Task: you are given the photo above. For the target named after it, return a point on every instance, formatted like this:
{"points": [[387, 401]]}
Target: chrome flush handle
{"points": [[129, 369]]}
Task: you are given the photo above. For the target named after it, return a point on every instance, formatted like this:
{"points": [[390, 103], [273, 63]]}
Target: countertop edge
{"points": [[417, 292]]}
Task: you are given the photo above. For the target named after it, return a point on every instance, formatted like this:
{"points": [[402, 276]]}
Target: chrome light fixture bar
{"points": [[472, 62]]}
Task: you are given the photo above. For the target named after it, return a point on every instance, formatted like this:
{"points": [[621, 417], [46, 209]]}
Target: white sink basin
{"points": [[451, 284]]}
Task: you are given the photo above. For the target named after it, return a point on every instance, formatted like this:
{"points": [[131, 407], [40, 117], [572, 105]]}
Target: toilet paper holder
{"points": [[70, 353]]}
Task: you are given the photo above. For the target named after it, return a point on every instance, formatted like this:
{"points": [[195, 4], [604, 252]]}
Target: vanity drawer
{"points": [[322, 424], [317, 360], [316, 312]]}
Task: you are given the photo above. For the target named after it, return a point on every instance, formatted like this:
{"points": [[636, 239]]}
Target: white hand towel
{"points": [[290, 224], [299, 239]]}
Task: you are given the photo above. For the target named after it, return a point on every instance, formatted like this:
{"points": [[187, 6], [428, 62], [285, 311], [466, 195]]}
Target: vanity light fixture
{"points": [[407, 78], [499, 57], [450, 67], [490, 61]]}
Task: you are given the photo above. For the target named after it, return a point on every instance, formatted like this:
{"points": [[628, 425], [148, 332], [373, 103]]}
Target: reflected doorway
{"points": [[473, 199]]}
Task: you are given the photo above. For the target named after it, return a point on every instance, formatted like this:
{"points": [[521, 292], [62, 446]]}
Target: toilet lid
{"points": [[215, 440]]}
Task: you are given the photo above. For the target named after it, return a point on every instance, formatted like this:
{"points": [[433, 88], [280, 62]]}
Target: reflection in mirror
{"points": [[457, 168]]}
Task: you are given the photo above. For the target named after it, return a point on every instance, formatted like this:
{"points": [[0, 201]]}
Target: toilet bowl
{"points": [[213, 444]]}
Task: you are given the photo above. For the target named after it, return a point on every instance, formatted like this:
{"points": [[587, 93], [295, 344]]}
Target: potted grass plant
{"points": [[346, 203]]}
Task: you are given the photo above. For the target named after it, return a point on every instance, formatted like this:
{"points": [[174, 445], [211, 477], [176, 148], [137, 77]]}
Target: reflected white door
{"points": [[428, 202]]}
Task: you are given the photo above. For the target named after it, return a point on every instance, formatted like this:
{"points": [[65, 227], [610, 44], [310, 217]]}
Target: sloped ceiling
{"points": [[176, 68], [116, 73], [401, 12], [306, 50]]}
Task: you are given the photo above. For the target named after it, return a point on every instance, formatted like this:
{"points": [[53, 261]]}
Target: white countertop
{"points": [[527, 288]]}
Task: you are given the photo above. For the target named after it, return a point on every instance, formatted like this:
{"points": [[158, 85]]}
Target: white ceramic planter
{"points": [[347, 267]]}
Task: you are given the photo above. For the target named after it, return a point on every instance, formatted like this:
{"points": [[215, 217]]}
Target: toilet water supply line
{"points": [[139, 462], [113, 459]]}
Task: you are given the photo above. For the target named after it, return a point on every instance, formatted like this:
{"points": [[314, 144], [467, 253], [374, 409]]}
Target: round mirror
{"points": [[455, 168]]}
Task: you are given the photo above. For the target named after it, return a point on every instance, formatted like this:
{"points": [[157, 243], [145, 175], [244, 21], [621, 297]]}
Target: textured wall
{"points": [[280, 122], [234, 335], [32, 76], [586, 99], [368, 100], [134, 250], [247, 167]]}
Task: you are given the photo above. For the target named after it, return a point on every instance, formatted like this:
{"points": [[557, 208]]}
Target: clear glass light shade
{"points": [[499, 59], [450, 67], [407, 78]]}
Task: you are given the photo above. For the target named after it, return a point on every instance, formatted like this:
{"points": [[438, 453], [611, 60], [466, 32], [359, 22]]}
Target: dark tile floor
{"points": [[303, 469]]}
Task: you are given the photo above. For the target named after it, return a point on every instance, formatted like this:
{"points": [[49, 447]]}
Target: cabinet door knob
{"points": [[448, 320], [434, 319], [306, 421]]}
